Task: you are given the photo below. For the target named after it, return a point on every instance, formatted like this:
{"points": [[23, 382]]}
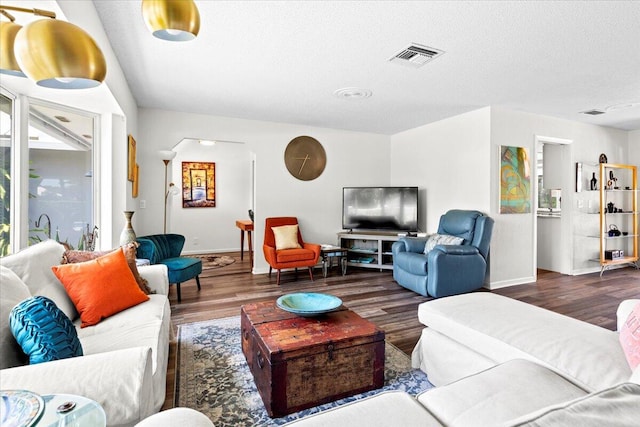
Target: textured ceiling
{"points": [[281, 61]]}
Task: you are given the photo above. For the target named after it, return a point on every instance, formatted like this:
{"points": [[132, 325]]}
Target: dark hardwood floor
{"points": [[374, 295]]}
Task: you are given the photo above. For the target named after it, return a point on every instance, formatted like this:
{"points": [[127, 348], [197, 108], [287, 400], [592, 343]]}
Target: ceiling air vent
{"points": [[416, 55], [593, 112]]}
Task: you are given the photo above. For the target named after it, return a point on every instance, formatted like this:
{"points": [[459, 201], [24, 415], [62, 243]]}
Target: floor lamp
{"points": [[166, 156]]}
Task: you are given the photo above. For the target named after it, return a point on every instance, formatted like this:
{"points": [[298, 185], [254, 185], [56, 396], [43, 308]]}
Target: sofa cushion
{"points": [[43, 331], [630, 337], [12, 291], [145, 325], [286, 237], [33, 266], [140, 326], [101, 287], [618, 405], [502, 329], [391, 408], [441, 239], [498, 394], [72, 257]]}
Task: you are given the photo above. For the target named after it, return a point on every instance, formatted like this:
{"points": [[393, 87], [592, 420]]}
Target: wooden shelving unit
{"points": [[368, 250], [623, 197]]}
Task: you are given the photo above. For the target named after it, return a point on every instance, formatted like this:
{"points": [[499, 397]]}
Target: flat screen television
{"points": [[380, 208]]}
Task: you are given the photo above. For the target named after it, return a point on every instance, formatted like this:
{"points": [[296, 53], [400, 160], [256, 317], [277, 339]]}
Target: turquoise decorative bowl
{"points": [[308, 304]]}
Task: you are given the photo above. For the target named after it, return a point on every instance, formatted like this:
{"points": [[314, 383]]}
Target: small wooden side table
{"points": [[328, 252], [245, 225]]}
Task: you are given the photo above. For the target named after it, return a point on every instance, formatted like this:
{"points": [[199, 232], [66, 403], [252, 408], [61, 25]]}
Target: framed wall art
{"points": [[131, 164], [515, 180], [136, 181], [198, 185]]}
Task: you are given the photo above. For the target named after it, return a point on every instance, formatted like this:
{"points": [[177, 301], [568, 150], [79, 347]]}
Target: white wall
{"points": [[449, 160], [353, 159], [634, 148], [634, 154], [119, 118], [456, 161], [513, 244]]}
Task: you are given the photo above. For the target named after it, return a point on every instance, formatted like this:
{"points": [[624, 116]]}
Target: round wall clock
{"points": [[305, 158]]}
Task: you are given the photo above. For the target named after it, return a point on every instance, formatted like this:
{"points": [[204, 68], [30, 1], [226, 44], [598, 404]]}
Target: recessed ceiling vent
{"points": [[593, 112], [416, 55]]}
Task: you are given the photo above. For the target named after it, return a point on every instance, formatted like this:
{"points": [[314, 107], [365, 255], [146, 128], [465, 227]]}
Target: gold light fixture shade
{"points": [[173, 20], [8, 63], [60, 55]]}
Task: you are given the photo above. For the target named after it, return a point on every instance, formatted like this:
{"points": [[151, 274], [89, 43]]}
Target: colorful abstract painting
{"points": [[198, 185], [515, 180]]}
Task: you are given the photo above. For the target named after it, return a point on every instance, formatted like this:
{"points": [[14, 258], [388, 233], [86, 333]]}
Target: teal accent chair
{"points": [[447, 269], [165, 249]]}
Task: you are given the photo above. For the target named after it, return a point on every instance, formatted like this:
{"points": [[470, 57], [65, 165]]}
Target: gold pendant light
{"points": [[8, 63], [53, 53], [59, 55], [172, 20]]}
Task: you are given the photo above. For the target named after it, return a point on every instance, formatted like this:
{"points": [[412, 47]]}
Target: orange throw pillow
{"points": [[72, 256], [101, 287]]}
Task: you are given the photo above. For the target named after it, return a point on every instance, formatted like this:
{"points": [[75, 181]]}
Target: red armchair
{"points": [[307, 255]]}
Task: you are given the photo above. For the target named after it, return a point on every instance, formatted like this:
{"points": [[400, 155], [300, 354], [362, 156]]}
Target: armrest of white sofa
{"points": [[624, 309], [158, 277], [121, 381]]}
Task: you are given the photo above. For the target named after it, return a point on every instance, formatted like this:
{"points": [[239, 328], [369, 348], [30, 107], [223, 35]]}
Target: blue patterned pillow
{"points": [[43, 331]]}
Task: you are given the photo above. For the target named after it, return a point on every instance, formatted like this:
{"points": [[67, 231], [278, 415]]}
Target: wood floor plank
{"points": [[376, 296]]}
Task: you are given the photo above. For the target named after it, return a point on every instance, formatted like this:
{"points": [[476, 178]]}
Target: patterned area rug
{"points": [[212, 376], [215, 261]]}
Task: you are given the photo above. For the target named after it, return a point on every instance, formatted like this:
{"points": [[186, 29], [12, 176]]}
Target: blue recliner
{"points": [[165, 249], [447, 269]]}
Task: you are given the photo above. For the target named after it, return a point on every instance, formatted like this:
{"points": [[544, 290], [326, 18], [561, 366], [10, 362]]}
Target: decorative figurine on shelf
{"points": [[610, 207], [614, 181], [603, 158], [594, 182]]}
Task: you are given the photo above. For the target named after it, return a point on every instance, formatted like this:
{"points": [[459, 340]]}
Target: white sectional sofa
{"points": [[473, 332], [500, 362], [124, 365]]}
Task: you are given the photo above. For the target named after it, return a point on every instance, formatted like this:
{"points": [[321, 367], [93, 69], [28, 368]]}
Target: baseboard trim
{"points": [[512, 282]]}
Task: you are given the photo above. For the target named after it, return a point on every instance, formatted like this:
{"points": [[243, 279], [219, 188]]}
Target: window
{"points": [[60, 175], [6, 126], [59, 172]]}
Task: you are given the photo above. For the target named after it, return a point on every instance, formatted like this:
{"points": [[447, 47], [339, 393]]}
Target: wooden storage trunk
{"points": [[299, 362]]}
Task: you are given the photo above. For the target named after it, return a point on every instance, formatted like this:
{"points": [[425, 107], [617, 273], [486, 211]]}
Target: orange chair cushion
{"points": [[101, 287], [295, 255]]}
